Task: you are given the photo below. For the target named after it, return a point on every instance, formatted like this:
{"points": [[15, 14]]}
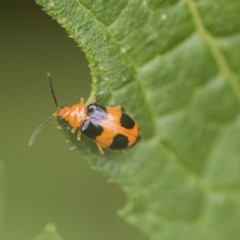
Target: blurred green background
{"points": [[45, 183]]}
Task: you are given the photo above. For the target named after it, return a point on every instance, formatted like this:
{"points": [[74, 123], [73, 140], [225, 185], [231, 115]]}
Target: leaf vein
{"points": [[222, 63]]}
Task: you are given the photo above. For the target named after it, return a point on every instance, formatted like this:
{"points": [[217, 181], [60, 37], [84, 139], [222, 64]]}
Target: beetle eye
{"points": [[60, 119]]}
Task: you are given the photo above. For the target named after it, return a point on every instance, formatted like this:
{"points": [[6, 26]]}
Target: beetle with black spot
{"points": [[110, 127]]}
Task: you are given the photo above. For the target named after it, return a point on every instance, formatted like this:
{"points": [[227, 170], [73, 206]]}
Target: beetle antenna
{"points": [[35, 133], [51, 89]]}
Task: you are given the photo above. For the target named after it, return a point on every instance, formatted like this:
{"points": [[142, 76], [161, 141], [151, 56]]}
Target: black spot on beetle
{"points": [[126, 121], [91, 129], [120, 142]]}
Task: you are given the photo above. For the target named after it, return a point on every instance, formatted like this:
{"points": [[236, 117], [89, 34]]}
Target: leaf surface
{"points": [[175, 66]]}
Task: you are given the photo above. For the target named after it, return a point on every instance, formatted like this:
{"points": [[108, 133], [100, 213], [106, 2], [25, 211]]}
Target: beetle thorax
{"points": [[74, 115]]}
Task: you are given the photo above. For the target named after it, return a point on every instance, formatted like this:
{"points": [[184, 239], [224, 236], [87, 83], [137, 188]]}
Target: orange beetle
{"points": [[110, 128]]}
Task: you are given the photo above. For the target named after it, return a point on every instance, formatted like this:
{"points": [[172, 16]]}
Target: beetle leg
{"points": [[79, 135], [97, 97], [73, 130], [100, 149]]}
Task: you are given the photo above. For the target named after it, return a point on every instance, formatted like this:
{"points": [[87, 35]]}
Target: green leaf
{"points": [[175, 66], [2, 193], [49, 233]]}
